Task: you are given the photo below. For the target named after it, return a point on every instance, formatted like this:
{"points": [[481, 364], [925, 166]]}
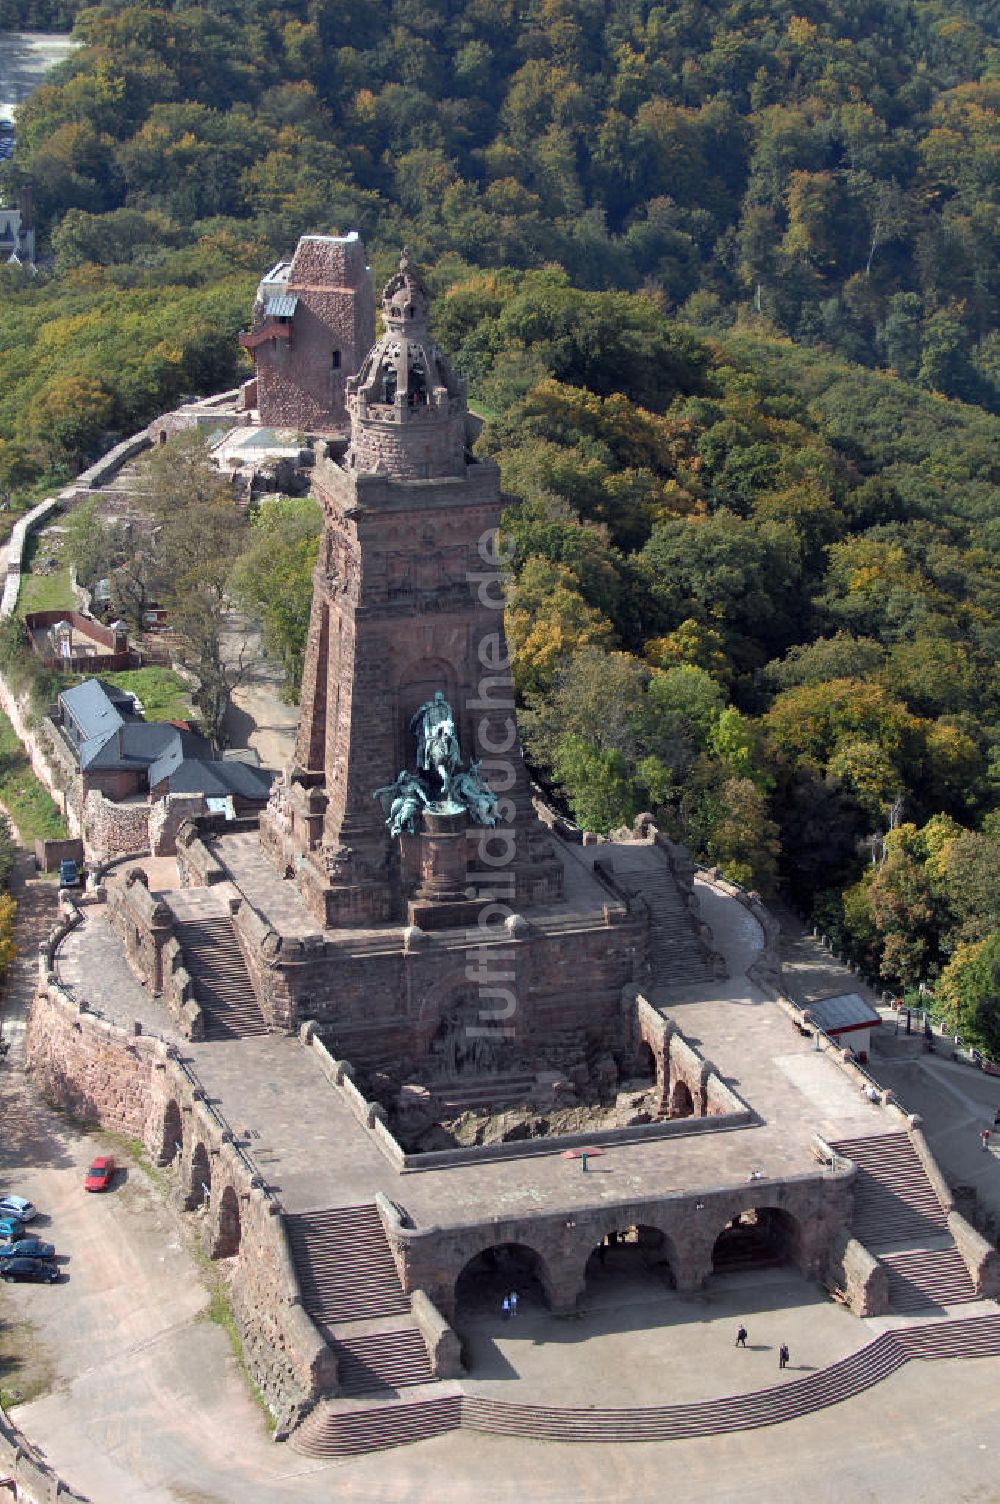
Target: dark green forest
{"points": [[834, 166], [724, 281]]}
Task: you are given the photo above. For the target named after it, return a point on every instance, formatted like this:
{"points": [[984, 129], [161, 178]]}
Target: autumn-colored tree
{"points": [[69, 417], [744, 839], [547, 621]]}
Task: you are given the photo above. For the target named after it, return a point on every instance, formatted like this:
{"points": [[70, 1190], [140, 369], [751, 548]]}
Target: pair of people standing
{"points": [[509, 1306], [783, 1353]]}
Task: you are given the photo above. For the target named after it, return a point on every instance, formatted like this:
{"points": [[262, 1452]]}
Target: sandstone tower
{"points": [[313, 320], [406, 606]]}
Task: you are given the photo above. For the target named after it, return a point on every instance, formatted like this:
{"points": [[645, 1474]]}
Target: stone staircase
{"points": [[494, 1093], [348, 1276], [346, 1430], [345, 1267], [676, 954], [896, 1204], [366, 1428], [384, 1360], [222, 983], [924, 1277]]}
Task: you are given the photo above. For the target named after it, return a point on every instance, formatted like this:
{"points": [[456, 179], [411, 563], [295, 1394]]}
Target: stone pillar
{"points": [[564, 1282]]}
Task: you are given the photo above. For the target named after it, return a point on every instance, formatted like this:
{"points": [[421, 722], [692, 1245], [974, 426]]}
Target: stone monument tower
{"points": [[409, 796], [313, 320]]}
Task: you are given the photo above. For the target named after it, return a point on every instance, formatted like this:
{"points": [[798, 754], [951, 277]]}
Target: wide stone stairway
{"points": [[222, 983], [367, 1428], [898, 1217], [345, 1266], [676, 954], [348, 1279]]}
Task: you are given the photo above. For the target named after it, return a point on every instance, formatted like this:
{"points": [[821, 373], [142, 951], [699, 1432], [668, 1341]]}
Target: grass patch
{"points": [[31, 806], [44, 592], [220, 1313], [164, 696], [25, 1370]]}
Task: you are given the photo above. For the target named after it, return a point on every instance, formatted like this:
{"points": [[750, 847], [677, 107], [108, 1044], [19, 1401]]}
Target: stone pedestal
{"points": [[441, 900]]}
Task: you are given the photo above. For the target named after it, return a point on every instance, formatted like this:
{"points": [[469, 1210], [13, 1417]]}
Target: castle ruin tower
{"points": [[313, 320], [406, 614]]}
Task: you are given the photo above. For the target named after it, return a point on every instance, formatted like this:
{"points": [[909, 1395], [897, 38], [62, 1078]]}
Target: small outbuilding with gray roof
{"points": [[847, 1018]]}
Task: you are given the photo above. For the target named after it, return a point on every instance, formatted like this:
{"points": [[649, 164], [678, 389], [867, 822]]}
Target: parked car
{"points": [[17, 1206], [27, 1248], [69, 873], [101, 1174], [11, 1229], [29, 1269]]}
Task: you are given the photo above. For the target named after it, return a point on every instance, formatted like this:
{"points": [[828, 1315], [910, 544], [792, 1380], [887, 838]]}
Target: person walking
{"points": [[741, 1336], [984, 1139], [783, 1355], [513, 1304], [505, 1307]]}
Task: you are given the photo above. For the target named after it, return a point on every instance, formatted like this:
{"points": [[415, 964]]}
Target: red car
{"points": [[101, 1174]]}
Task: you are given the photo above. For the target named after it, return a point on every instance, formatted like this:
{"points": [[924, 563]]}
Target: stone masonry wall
{"points": [[134, 1085], [818, 1205], [89, 1068], [143, 923], [384, 1007], [111, 829]]}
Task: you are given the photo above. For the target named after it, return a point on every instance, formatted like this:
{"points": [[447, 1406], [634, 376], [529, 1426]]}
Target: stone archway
{"points": [[646, 1067], [681, 1100], [631, 1258], [494, 1272], [200, 1183], [172, 1140], [228, 1229], [762, 1237]]}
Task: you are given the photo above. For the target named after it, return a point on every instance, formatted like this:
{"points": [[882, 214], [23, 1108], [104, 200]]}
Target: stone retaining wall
{"points": [[135, 1085], [858, 1276], [727, 1111], [143, 923], [35, 1480]]}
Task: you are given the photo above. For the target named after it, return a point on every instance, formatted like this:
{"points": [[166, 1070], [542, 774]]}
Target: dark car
{"points": [[101, 1174], [39, 1270], [27, 1248]]}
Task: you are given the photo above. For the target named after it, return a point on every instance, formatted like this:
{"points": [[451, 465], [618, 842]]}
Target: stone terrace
{"points": [[273, 1085], [280, 903]]}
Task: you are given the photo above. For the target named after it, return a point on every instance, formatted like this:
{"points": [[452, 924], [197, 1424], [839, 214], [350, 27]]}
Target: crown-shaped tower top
{"points": [[406, 302], [408, 408]]}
